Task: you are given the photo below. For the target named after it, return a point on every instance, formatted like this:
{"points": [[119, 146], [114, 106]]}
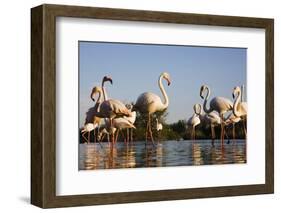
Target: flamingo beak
{"points": [[233, 96], [201, 92], [169, 82], [110, 80], [92, 94], [105, 78]]}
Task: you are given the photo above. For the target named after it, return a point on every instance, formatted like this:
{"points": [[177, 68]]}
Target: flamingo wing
{"points": [[221, 104], [148, 102]]}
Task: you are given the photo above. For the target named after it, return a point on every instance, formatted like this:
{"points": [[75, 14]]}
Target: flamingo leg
{"points": [[233, 131], [213, 134], [131, 135], [150, 131], [83, 135], [117, 134], [146, 131], [112, 134], [194, 133], [244, 127], [123, 136], [222, 129], [128, 135], [226, 135], [95, 134], [102, 137]]}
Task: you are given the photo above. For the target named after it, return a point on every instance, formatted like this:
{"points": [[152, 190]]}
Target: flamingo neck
{"points": [[105, 97], [205, 101], [166, 99], [235, 105]]}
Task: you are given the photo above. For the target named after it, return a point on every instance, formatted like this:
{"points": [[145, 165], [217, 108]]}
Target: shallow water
{"points": [[167, 153]]}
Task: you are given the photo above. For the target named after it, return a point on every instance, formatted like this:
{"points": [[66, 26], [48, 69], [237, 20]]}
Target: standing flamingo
{"points": [[211, 119], [240, 109], [122, 123], [193, 121], [218, 104], [91, 118], [87, 129], [149, 103], [111, 108]]}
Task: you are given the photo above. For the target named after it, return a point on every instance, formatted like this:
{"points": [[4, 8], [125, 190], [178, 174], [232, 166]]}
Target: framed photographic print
{"points": [[136, 106]]}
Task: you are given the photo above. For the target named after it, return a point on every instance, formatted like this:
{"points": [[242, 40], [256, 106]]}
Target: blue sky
{"points": [[135, 69]]}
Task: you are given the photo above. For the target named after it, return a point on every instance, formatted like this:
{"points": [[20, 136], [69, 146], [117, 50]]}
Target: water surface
{"points": [[167, 153]]}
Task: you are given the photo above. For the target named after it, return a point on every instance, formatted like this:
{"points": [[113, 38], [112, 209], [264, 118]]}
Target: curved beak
{"points": [[105, 78], [233, 96], [92, 94], [110, 80], [169, 81], [201, 92]]}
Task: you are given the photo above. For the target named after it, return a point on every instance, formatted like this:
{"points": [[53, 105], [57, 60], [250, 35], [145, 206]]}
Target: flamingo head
{"points": [[107, 78], [236, 90], [95, 90], [197, 109], [202, 90], [167, 77]]}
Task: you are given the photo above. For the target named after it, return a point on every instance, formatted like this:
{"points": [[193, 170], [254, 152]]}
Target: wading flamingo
{"points": [[240, 109], [91, 118], [218, 104], [111, 108], [232, 119], [149, 103], [193, 121], [87, 129], [211, 119]]}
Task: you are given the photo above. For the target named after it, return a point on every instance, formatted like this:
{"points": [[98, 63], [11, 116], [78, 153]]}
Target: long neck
{"points": [[205, 101], [97, 105], [235, 105], [105, 97], [166, 99]]}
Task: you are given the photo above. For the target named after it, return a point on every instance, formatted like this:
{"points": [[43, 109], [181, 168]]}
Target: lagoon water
{"points": [[167, 153]]}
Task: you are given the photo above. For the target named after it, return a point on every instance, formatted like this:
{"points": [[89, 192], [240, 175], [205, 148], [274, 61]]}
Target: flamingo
{"points": [[150, 103], [212, 119], [118, 124], [87, 129], [91, 118], [232, 119], [218, 104], [159, 128], [193, 121], [93, 121], [122, 123], [240, 109], [111, 108]]}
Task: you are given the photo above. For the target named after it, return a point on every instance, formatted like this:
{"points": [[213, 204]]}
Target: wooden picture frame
{"points": [[43, 105]]}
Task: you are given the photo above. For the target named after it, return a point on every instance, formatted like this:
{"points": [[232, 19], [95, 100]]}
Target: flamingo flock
{"points": [[109, 117]]}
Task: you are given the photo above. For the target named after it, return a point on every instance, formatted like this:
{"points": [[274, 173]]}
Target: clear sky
{"points": [[135, 69]]}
